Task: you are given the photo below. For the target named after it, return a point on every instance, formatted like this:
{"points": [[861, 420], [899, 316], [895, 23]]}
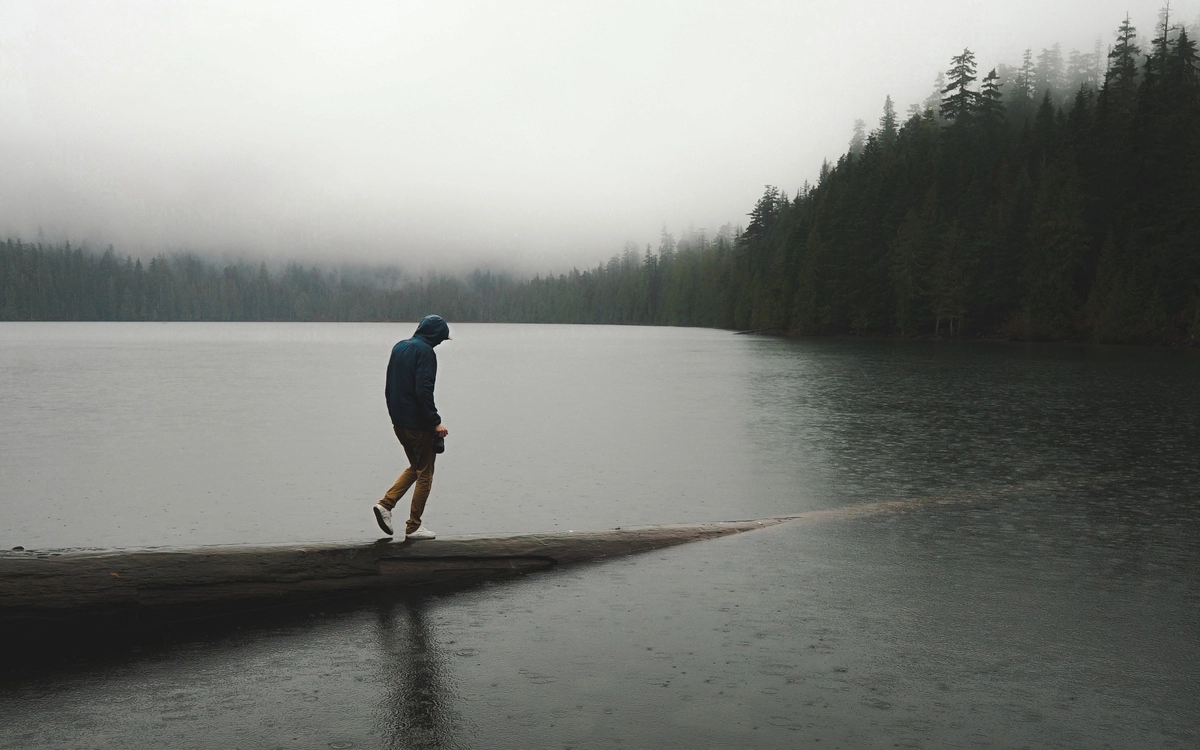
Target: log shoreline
{"points": [[131, 587]]}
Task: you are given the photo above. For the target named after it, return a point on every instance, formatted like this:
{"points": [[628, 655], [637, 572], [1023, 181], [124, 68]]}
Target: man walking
{"points": [[410, 376]]}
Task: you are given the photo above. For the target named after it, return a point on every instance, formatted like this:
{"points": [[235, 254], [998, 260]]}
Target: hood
{"points": [[433, 329]]}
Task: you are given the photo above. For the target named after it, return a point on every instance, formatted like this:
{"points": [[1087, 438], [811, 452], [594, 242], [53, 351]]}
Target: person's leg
{"points": [[406, 478], [419, 446]]}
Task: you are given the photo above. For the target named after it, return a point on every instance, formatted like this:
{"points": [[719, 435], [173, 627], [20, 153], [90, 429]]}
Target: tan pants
{"points": [[418, 446]]}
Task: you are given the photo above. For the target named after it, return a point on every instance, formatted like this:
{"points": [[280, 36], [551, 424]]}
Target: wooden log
{"points": [[145, 585]]}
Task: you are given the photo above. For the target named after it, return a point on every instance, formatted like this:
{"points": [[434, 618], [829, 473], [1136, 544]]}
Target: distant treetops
{"points": [[1055, 200], [1048, 201]]}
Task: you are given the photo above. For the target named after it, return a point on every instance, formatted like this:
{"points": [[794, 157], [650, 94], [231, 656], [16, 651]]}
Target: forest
{"points": [[1054, 200]]}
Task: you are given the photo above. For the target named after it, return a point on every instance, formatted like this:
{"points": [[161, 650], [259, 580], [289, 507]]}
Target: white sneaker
{"points": [[383, 517], [421, 533]]}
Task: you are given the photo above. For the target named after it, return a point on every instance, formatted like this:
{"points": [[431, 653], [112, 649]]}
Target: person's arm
{"points": [[388, 386], [426, 375]]}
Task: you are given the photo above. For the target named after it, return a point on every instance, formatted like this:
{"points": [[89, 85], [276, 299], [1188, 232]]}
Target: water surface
{"points": [[1037, 588]]}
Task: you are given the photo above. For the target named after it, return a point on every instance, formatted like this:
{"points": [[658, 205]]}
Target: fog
{"points": [[530, 135]]}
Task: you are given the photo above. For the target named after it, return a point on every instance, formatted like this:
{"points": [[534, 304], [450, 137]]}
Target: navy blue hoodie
{"points": [[411, 373]]}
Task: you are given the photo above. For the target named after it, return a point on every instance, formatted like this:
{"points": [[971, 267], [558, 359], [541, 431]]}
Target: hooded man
{"points": [[410, 376]]}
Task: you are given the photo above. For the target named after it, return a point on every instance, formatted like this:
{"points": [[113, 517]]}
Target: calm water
{"points": [[1041, 590]]}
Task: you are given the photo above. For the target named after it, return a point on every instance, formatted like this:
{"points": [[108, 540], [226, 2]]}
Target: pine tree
{"points": [[932, 102], [1120, 80], [887, 123], [1182, 75], [859, 140], [991, 102], [1077, 69], [958, 100], [1160, 46], [1022, 107], [1082, 69], [1048, 76], [764, 213]]}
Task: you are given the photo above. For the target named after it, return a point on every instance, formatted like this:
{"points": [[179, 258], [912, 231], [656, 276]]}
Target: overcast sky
{"points": [[536, 134]]}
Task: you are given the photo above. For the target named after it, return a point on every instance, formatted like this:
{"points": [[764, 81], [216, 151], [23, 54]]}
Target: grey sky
{"points": [[538, 134]]}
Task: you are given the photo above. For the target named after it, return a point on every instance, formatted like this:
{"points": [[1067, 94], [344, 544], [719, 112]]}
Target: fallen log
{"points": [[141, 586]]}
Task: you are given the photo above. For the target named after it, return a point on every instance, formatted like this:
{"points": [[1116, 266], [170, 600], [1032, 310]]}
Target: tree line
{"points": [[1001, 214], [61, 282], [1054, 200]]}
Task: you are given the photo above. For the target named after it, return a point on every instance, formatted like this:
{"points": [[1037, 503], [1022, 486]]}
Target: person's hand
{"points": [[441, 431]]}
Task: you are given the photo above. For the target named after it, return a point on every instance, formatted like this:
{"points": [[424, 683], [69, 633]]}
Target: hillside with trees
{"points": [[1011, 210], [1055, 200]]}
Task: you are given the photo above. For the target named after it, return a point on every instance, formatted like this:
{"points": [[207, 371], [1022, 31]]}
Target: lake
{"points": [[1039, 586]]}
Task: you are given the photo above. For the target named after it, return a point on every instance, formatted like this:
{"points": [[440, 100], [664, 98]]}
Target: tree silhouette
{"points": [[958, 100]]}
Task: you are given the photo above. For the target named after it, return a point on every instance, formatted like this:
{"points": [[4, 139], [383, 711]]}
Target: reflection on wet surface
{"points": [[418, 706], [1002, 551], [870, 631]]}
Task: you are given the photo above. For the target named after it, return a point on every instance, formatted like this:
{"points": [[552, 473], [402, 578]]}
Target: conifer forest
{"points": [[1051, 200]]}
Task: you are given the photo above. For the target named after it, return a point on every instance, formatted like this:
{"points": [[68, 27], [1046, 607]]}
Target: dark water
{"points": [[1040, 587]]}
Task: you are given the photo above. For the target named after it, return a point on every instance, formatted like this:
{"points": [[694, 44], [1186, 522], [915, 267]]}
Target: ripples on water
{"points": [[1030, 579]]}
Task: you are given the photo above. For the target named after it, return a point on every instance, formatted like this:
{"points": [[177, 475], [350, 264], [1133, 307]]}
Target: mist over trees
{"points": [[1058, 199], [1061, 204], [39, 282]]}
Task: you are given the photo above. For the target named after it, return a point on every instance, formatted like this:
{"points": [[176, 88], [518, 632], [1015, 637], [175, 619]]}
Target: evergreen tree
{"points": [[1083, 69], [763, 215], [1022, 105], [958, 100], [1048, 75], [859, 140], [888, 127], [933, 102], [1120, 80], [991, 102], [1182, 69]]}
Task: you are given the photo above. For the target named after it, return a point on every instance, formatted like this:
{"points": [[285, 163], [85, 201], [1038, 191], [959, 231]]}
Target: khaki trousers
{"points": [[418, 447]]}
